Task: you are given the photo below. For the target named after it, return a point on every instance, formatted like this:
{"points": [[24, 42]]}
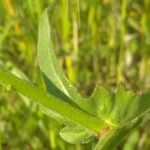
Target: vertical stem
{"points": [[65, 22], [144, 70], [78, 146], [122, 34], [75, 32], [112, 41], [38, 8], [94, 15], [52, 139], [65, 25], [75, 38]]}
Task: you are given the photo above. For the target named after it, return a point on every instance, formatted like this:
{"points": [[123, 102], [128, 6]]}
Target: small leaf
{"points": [[101, 102], [76, 134], [125, 106], [144, 103]]}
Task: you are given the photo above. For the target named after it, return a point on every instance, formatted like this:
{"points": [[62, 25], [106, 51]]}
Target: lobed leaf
{"points": [[125, 106], [101, 102], [144, 104], [114, 110]]}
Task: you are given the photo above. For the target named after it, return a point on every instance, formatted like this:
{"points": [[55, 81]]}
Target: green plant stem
{"points": [[122, 34], [36, 94]]}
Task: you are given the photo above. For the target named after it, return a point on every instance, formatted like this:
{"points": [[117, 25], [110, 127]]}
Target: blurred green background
{"points": [[96, 41]]}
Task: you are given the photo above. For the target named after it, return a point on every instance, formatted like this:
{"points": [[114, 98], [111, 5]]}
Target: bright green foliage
{"points": [[105, 115], [54, 77], [144, 103], [57, 83], [114, 110], [55, 80], [117, 108], [54, 105], [101, 102], [73, 133], [125, 106]]}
